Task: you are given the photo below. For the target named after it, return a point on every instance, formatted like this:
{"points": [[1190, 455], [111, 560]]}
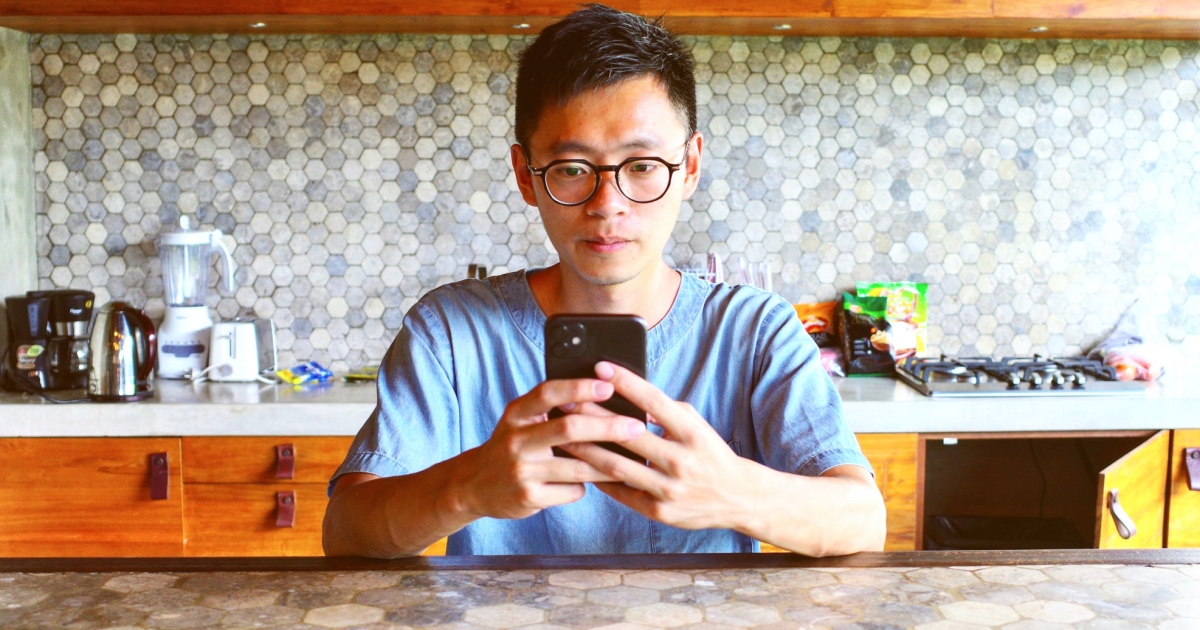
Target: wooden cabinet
{"points": [[89, 497], [257, 496], [897, 463], [223, 496], [1131, 502], [897, 460], [1107, 489], [1169, 19], [1183, 503]]}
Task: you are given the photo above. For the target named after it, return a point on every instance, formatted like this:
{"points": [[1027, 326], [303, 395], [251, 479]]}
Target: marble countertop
{"points": [[871, 405], [1089, 589]]}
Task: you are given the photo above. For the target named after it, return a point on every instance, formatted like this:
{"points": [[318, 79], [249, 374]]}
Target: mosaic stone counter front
{"points": [[1015, 597], [1038, 186]]}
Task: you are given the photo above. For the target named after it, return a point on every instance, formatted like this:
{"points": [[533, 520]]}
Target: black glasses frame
{"points": [[615, 169]]}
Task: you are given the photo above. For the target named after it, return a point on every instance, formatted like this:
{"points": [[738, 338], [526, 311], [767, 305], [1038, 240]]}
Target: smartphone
{"points": [[575, 343]]}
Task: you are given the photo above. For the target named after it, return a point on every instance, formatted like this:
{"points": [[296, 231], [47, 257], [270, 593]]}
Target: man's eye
{"points": [[642, 168], [570, 170]]}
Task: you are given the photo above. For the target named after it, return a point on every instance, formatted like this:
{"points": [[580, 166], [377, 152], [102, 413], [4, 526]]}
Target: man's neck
{"points": [[557, 291]]}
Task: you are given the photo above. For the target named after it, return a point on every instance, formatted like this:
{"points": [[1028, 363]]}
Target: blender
{"points": [[185, 334]]}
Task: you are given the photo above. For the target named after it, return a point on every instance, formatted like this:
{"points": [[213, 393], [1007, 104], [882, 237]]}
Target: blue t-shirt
{"points": [[739, 355]]}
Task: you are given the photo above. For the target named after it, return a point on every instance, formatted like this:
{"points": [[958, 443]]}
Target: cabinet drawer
{"points": [[256, 460], [240, 520], [88, 497]]}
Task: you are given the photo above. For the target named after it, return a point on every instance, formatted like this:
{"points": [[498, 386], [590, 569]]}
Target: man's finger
{"points": [[620, 468], [582, 428], [562, 470], [667, 412], [637, 500], [550, 394]]}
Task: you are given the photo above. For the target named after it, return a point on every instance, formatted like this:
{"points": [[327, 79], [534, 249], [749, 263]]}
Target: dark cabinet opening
{"points": [[1019, 492]]}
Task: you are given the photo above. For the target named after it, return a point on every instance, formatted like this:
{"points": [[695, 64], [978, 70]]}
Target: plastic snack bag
{"points": [[865, 345], [907, 314], [820, 322], [308, 372], [1135, 349]]}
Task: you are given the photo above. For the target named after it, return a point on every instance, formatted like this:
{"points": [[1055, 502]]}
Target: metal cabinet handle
{"points": [[1191, 458], [285, 509], [1125, 526], [285, 461], [160, 476]]}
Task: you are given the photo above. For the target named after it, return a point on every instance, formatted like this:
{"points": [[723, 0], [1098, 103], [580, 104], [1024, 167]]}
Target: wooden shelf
{"points": [[1152, 19]]}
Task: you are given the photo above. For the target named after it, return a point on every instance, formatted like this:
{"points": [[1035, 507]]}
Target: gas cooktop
{"points": [[1014, 376]]}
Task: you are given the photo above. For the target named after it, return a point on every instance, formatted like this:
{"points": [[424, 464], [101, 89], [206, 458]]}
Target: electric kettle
{"points": [[123, 350]]}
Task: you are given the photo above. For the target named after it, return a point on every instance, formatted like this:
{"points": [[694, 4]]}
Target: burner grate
{"points": [[1033, 375]]}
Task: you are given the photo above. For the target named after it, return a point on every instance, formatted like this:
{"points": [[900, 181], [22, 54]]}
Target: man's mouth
{"points": [[606, 244]]}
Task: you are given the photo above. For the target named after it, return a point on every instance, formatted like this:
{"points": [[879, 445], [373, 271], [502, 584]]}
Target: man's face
{"points": [[610, 239]]}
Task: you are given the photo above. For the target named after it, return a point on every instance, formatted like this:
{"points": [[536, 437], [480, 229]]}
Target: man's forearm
{"points": [[814, 516], [391, 517]]}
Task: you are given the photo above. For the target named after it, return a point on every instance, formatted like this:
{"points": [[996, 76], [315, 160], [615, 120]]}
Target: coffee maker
{"points": [[48, 333]]}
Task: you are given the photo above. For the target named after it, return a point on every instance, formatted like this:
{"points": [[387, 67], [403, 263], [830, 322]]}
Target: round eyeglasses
{"points": [[641, 179]]}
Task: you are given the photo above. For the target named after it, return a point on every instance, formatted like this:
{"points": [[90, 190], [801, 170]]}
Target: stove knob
{"points": [[1058, 380], [1080, 381], [1035, 381], [1014, 381]]}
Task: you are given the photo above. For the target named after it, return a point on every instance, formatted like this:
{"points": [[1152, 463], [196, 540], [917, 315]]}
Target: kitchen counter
{"points": [[1159, 588], [872, 405]]}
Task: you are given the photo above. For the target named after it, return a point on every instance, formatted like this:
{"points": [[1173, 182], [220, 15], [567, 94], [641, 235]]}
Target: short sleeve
{"points": [[415, 423], [796, 408]]}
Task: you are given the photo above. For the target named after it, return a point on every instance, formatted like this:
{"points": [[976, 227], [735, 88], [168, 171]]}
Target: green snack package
{"points": [[907, 314]]}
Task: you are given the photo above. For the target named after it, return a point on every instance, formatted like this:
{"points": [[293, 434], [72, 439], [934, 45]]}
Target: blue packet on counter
{"points": [[308, 372]]}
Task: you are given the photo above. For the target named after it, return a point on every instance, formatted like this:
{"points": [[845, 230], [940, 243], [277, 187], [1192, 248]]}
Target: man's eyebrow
{"points": [[571, 146]]}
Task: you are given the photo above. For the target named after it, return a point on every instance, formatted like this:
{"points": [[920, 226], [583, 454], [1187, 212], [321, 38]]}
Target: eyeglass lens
{"points": [[640, 180]]}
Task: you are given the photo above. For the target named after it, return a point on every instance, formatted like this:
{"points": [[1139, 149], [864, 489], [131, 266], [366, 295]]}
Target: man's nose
{"points": [[608, 199]]}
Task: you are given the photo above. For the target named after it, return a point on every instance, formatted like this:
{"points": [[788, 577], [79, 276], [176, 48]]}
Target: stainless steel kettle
{"points": [[122, 354]]}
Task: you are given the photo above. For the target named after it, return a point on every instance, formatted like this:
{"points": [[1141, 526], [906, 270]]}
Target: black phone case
{"points": [[575, 343]]}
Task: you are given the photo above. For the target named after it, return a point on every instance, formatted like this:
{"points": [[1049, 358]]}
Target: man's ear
{"points": [[692, 169], [524, 177]]}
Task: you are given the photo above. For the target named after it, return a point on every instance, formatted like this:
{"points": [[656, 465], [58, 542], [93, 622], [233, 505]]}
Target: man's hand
{"points": [[514, 474], [694, 480]]}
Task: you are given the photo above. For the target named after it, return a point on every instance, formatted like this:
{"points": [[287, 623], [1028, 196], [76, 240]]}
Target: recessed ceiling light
{"points": [[520, 27], [1038, 29], [782, 27], [258, 25]]}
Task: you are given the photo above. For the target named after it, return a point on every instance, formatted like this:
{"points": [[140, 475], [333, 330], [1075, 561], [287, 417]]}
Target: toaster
{"points": [[241, 350]]}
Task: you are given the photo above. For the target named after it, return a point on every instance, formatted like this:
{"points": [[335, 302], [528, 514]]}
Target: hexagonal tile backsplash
{"points": [[1038, 186]]}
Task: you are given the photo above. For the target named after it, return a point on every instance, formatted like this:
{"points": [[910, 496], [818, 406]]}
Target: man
{"points": [[746, 440]]}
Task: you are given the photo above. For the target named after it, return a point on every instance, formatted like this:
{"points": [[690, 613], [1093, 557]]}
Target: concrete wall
{"points": [[18, 248]]}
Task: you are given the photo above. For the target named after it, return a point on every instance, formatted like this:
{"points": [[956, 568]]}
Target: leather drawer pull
{"points": [[1125, 525], [160, 476], [1191, 457], [285, 509], [285, 461]]}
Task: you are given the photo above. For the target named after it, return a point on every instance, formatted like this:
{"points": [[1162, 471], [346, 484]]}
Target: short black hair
{"points": [[597, 47]]}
